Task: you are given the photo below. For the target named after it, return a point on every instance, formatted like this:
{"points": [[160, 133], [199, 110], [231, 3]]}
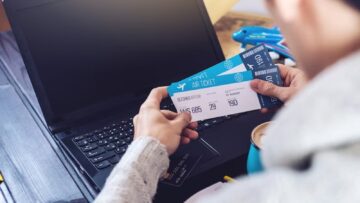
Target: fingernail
{"points": [[197, 135], [254, 84]]}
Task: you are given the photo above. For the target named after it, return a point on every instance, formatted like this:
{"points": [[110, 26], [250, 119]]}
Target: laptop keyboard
{"points": [[105, 146]]}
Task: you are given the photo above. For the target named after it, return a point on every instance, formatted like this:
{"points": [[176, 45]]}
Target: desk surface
{"points": [[34, 167]]}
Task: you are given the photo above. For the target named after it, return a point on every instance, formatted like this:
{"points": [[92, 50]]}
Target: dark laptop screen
{"points": [[88, 53]]}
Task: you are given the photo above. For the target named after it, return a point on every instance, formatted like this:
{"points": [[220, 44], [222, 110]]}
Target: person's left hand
{"points": [[168, 127]]}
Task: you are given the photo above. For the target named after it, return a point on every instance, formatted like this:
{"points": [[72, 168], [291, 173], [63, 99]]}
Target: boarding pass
{"points": [[224, 89]]}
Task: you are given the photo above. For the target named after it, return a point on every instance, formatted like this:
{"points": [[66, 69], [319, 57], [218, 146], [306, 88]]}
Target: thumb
{"points": [[269, 89], [182, 120]]}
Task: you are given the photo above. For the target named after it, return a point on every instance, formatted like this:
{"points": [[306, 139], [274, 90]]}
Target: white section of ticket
{"points": [[217, 101]]}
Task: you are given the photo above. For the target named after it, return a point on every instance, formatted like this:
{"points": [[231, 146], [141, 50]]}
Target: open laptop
{"points": [[92, 63]]}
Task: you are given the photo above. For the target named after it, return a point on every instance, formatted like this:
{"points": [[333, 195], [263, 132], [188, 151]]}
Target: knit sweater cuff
{"points": [[148, 157]]}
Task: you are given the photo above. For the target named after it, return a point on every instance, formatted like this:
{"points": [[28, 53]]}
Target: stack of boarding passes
{"points": [[224, 89]]}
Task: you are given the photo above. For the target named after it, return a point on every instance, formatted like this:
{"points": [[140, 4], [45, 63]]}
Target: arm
{"points": [[158, 134], [136, 176], [332, 177]]}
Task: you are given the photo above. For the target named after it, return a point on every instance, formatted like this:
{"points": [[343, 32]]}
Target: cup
{"points": [[254, 164]]}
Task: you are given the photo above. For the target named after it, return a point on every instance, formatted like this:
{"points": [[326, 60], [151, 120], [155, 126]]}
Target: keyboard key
{"points": [[130, 131], [101, 135], [95, 152], [206, 124], [111, 139], [102, 157], [92, 139], [120, 150], [110, 146], [78, 138], [125, 126], [214, 121], [82, 143], [122, 135], [120, 143], [128, 140], [113, 132], [102, 142], [200, 128], [123, 122], [88, 135], [89, 147], [97, 131], [114, 160], [102, 164], [220, 119]]}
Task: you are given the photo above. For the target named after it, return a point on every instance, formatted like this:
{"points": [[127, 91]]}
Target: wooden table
{"points": [[34, 167]]}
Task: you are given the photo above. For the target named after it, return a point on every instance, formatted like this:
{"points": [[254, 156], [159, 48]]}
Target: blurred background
{"points": [[228, 16], [217, 8], [251, 6]]}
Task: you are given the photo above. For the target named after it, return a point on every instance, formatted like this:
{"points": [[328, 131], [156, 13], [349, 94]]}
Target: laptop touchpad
{"points": [[186, 159]]}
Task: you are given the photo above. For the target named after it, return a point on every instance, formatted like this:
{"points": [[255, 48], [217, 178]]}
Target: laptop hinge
{"points": [[56, 129]]}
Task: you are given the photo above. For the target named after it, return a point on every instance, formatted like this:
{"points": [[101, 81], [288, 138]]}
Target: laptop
{"points": [[92, 63]]}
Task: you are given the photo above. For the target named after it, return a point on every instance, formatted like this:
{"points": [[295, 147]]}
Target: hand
{"points": [[168, 127], [294, 80]]}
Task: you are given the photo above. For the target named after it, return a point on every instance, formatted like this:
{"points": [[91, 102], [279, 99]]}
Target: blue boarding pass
{"points": [[258, 60], [230, 66], [224, 89]]}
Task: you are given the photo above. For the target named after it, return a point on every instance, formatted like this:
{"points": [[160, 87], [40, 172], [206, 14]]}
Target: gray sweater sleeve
{"points": [[135, 177], [333, 177]]}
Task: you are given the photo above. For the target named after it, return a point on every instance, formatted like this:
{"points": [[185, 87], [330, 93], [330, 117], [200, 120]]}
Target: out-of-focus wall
{"points": [[252, 6], [218, 8]]}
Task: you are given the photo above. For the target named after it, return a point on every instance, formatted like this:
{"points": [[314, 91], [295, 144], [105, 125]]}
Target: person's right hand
{"points": [[168, 127], [294, 80]]}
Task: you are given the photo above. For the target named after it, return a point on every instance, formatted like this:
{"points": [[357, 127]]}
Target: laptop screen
{"points": [[90, 54]]}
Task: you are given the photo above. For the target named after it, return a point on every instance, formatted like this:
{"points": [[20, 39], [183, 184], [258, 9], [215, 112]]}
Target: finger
{"points": [[169, 114], [185, 140], [192, 134], [269, 89], [155, 97], [136, 117], [264, 110], [135, 122], [284, 71], [193, 125], [182, 120], [288, 73]]}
